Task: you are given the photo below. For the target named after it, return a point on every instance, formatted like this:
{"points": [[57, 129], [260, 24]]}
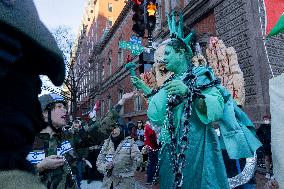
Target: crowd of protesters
{"points": [[65, 154], [129, 148]]}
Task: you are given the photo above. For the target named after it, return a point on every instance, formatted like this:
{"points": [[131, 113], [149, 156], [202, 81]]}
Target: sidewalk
{"points": [[260, 178], [141, 178], [92, 185]]}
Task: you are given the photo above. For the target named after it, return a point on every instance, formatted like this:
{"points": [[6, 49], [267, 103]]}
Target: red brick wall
{"points": [[104, 13], [207, 24], [95, 27], [124, 32]]}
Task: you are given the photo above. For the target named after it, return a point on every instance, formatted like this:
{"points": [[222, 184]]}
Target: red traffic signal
{"points": [[151, 8], [138, 20], [151, 23], [151, 14]]}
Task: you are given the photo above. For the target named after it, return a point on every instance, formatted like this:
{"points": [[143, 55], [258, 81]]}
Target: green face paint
{"points": [[169, 58], [175, 61]]}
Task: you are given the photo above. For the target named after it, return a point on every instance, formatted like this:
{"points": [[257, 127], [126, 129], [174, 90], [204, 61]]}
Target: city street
{"points": [[140, 178], [98, 184], [92, 185]]}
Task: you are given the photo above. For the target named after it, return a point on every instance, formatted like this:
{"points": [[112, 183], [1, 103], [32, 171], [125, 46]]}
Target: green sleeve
{"points": [[211, 108], [101, 129], [108, 122]]}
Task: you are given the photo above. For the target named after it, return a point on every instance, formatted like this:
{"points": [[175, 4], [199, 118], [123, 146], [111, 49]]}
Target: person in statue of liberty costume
{"points": [[185, 107]]}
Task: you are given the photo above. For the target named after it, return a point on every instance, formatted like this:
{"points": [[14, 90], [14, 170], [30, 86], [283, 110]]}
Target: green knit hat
{"points": [[20, 17]]}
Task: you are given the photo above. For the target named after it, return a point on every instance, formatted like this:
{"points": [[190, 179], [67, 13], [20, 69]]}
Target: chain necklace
{"points": [[178, 147], [69, 169]]}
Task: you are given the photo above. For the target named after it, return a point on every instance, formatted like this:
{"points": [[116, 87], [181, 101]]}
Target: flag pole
{"points": [[263, 35]]}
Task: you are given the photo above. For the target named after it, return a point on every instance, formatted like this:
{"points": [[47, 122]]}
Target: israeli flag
{"points": [[126, 145], [36, 157], [64, 148], [109, 157]]}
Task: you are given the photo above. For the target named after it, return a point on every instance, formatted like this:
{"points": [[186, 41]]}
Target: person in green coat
{"points": [[185, 107]]}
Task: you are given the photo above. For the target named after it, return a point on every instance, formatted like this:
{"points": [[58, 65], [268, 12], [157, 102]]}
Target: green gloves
{"points": [[141, 85], [176, 87]]}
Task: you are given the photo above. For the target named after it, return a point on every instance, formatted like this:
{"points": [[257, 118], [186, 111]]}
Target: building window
{"points": [[110, 62], [92, 11], [138, 103], [103, 108], [110, 7], [120, 94], [110, 21], [103, 71], [97, 72], [109, 102], [120, 57]]}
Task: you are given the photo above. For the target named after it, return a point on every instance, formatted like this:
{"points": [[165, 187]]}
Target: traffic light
{"points": [[138, 2], [138, 18], [146, 60], [151, 14]]}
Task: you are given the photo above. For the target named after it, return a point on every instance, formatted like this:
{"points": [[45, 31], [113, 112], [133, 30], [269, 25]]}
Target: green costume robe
{"points": [[204, 167]]}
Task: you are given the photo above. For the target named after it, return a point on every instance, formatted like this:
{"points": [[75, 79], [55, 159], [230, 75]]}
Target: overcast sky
{"points": [[61, 12]]}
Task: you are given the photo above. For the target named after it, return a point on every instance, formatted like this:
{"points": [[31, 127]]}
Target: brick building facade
{"points": [[114, 79], [236, 22], [99, 17]]}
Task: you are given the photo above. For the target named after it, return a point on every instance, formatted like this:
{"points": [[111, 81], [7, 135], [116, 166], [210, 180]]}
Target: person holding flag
{"points": [[93, 113], [54, 152]]}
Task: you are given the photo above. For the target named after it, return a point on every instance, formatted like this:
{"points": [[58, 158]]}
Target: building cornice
{"points": [[199, 8]]}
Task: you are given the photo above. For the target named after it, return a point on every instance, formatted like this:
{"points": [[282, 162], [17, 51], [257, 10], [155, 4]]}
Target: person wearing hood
{"points": [[118, 160]]}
